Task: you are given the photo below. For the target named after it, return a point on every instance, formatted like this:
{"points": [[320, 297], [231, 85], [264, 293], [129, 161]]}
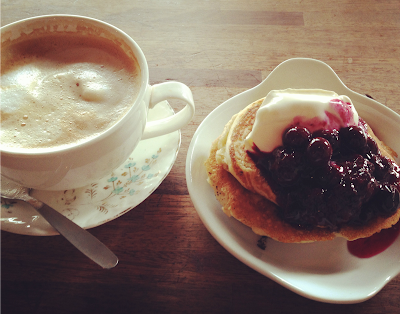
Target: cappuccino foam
{"points": [[63, 89]]}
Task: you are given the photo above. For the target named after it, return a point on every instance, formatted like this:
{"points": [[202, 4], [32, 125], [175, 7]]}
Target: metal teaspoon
{"points": [[79, 237]]}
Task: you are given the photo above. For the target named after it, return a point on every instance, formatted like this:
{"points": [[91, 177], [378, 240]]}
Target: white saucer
{"points": [[108, 198], [322, 271]]}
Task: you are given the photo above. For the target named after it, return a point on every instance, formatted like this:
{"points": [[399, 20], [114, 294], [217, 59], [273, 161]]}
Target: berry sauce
{"points": [[375, 244], [330, 178]]}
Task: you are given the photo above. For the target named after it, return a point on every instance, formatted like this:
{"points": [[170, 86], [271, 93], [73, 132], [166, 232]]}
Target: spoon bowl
{"points": [[77, 236]]}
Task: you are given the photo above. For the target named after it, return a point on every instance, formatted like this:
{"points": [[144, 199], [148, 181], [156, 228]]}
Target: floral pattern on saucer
{"points": [[125, 183], [107, 198]]}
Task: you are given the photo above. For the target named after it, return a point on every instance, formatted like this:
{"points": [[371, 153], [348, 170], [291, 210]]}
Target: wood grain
{"points": [[169, 262]]}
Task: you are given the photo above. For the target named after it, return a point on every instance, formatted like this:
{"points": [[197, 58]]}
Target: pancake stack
{"points": [[246, 195]]}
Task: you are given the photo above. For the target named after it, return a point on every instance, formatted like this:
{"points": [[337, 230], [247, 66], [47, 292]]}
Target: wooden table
{"points": [[169, 262]]}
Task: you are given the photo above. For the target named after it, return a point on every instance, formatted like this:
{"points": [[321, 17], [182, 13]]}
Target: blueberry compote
{"points": [[330, 178]]}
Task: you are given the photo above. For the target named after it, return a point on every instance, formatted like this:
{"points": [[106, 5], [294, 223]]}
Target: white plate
{"points": [[108, 198], [322, 271]]}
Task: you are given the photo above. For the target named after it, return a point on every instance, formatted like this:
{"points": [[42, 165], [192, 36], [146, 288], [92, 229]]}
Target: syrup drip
{"points": [[375, 244]]}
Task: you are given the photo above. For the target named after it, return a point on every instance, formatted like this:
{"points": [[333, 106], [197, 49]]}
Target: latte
{"points": [[63, 89]]}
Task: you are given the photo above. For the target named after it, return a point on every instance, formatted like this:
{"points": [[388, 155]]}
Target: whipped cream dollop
{"points": [[311, 108]]}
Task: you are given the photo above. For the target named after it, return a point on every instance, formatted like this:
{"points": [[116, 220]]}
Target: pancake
{"points": [[245, 194], [232, 155]]}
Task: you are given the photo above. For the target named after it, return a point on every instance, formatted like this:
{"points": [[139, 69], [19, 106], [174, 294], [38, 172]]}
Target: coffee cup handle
{"points": [[165, 91]]}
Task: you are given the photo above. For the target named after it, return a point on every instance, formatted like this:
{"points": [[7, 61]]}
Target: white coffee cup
{"points": [[73, 166]]}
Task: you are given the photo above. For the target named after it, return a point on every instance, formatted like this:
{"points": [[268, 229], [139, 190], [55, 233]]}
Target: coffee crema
{"points": [[63, 89]]}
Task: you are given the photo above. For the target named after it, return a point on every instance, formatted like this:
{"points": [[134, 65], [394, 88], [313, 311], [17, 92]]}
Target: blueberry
{"points": [[286, 168], [381, 166], [366, 214], [353, 139], [336, 173], [332, 136], [388, 199], [296, 137], [319, 151]]}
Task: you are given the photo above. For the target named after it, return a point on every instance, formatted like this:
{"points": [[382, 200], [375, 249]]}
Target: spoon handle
{"points": [[79, 237]]}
